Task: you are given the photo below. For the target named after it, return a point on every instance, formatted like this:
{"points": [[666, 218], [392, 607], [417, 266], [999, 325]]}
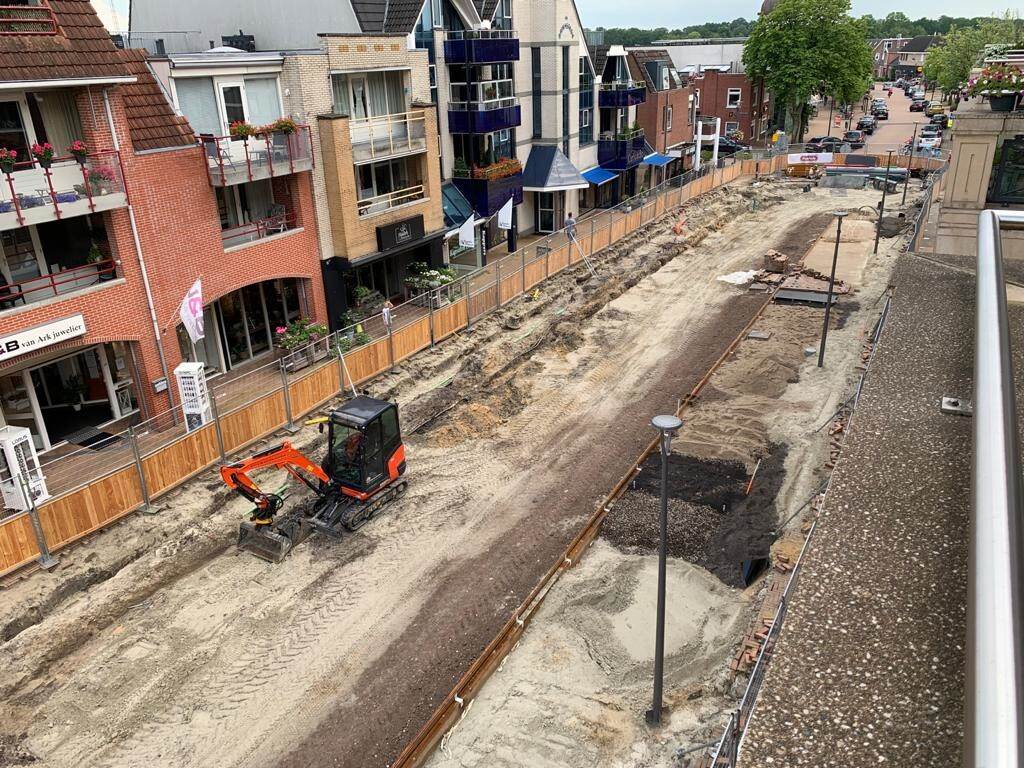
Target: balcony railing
{"points": [[483, 116], [378, 138], [231, 161], [56, 284], [27, 20], [389, 200], [487, 192], [258, 230], [616, 95], [481, 46], [35, 195], [621, 151]]}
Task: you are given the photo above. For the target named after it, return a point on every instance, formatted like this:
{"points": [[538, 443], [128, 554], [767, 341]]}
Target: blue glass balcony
{"points": [[487, 196], [472, 117], [617, 95], [622, 151], [481, 46]]}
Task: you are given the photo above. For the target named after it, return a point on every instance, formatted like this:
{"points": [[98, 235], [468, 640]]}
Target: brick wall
{"points": [[754, 111], [651, 116]]}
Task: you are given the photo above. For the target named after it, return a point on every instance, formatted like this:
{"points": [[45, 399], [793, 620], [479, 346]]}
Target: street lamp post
{"points": [[831, 286], [667, 426], [881, 205]]}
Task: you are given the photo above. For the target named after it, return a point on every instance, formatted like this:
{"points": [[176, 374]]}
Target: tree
{"points": [[803, 44], [950, 64]]}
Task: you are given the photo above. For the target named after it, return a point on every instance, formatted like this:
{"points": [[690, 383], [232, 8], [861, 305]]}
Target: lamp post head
{"points": [[666, 424], [840, 214]]}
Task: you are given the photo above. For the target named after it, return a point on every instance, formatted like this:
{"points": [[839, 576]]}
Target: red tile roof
{"points": [[152, 121], [81, 48]]}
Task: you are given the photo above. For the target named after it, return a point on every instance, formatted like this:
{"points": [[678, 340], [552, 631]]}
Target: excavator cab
{"points": [[365, 447], [361, 473]]}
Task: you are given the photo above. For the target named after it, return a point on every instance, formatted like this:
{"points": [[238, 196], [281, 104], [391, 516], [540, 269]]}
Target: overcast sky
{"points": [[674, 14]]}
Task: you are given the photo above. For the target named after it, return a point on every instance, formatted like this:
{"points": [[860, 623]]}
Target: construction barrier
{"points": [[96, 488]]}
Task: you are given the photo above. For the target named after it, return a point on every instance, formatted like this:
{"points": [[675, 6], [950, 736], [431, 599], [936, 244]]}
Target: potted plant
{"points": [[423, 282], [43, 154], [103, 180], [299, 337], [348, 343], [284, 125], [240, 129], [74, 391], [79, 151], [1002, 83], [8, 157], [97, 257]]}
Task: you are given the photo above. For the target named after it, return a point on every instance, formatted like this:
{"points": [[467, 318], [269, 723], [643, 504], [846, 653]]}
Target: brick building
{"points": [[97, 255], [742, 104], [667, 116]]}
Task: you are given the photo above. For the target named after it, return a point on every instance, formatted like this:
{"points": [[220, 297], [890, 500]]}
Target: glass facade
{"points": [[586, 102]]}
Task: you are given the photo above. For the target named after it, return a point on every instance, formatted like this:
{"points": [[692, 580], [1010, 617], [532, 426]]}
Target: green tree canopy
{"points": [[804, 45], [950, 64]]}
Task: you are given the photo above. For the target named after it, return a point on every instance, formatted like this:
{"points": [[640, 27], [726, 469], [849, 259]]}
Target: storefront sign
{"points": [[41, 336], [809, 158], [400, 233]]}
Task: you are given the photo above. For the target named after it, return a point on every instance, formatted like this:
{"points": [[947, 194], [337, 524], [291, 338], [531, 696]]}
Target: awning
{"points": [[658, 160], [598, 175], [548, 170]]}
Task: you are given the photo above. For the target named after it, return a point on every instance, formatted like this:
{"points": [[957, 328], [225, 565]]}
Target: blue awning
{"points": [[658, 160], [598, 176]]}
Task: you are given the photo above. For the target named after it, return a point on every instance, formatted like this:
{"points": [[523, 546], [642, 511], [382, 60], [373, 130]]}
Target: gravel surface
{"points": [[869, 668], [633, 526]]}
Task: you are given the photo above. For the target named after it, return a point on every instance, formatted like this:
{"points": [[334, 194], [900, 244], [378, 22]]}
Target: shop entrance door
{"points": [[73, 395]]}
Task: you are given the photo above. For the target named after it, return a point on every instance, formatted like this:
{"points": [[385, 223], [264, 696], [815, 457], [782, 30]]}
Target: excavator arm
{"points": [[284, 456]]}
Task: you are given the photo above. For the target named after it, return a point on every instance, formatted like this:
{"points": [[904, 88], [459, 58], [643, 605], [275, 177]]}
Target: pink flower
{"points": [[281, 331]]}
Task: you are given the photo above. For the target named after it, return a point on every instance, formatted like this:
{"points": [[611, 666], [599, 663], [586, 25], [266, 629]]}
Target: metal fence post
{"points": [[497, 282], [289, 425], [137, 455], [46, 560], [216, 426], [430, 312], [523, 263], [391, 346]]}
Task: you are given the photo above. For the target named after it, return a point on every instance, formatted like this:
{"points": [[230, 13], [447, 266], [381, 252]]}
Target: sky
{"points": [[674, 14]]}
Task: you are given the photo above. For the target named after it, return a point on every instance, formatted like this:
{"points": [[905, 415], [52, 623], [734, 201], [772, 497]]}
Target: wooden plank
{"points": [[88, 509], [452, 318], [558, 259], [314, 388], [483, 301], [171, 464], [17, 543], [253, 421], [511, 286], [412, 338], [367, 361], [534, 273], [602, 237]]}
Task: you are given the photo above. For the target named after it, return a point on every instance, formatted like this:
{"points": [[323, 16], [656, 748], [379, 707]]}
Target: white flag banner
{"points": [[192, 311], [505, 215], [467, 233]]}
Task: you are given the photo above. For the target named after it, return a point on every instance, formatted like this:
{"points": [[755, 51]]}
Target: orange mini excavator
{"points": [[361, 473]]}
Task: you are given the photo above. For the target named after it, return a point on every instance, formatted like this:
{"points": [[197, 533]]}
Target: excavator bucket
{"points": [[263, 542]]}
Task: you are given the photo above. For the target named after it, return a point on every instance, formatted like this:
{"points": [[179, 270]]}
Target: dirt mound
{"points": [[633, 526]]}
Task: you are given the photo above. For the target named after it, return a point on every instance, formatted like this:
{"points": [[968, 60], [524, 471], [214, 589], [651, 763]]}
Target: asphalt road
{"points": [[890, 133]]}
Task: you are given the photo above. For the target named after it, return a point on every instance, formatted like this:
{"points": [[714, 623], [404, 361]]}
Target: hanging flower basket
{"points": [[1003, 102], [1002, 83], [43, 153], [8, 157], [79, 151]]}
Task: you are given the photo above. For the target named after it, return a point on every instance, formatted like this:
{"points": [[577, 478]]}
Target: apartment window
{"points": [[586, 102], [732, 98], [213, 104], [503, 15], [536, 84], [384, 185], [430, 19], [668, 117], [731, 127], [482, 149], [488, 85], [691, 109], [369, 95]]}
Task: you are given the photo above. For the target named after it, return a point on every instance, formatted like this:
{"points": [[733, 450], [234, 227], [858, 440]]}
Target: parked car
{"points": [[826, 144], [917, 105], [868, 123], [934, 108], [854, 138], [728, 147], [941, 120], [882, 113]]}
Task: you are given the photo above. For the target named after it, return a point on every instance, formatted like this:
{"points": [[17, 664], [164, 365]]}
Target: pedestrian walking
{"points": [[570, 227], [385, 313]]}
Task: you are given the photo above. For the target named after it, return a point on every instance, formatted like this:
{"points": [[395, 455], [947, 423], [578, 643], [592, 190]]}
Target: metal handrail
{"points": [[994, 722], [390, 200], [481, 34]]}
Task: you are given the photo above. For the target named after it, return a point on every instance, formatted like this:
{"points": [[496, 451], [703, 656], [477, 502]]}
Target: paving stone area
{"points": [[870, 665]]}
